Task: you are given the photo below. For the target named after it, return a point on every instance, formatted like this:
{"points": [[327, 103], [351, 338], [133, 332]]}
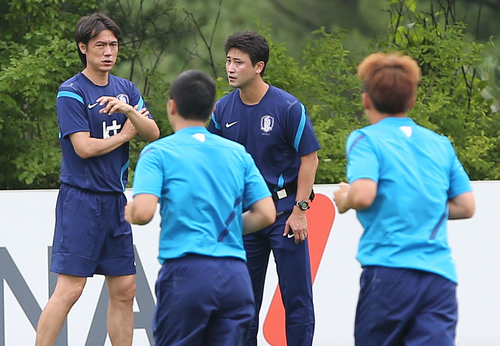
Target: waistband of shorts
{"points": [[92, 192]]}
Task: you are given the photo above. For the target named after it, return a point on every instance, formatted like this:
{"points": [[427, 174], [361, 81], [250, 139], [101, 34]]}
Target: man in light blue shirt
{"points": [[405, 182], [203, 183]]}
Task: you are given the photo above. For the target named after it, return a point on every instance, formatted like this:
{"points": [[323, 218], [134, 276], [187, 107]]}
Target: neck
{"points": [[252, 94], [375, 116], [96, 77], [182, 123]]}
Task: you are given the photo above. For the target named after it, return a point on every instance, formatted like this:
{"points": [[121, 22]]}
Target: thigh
{"points": [[76, 237], [117, 256], [257, 250], [230, 323], [293, 265], [185, 300], [435, 324], [388, 300]]}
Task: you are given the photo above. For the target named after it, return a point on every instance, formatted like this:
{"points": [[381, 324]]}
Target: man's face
{"points": [[240, 71], [101, 51]]}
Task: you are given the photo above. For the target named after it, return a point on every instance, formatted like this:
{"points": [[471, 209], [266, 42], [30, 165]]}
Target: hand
{"points": [[128, 130], [340, 197], [113, 105], [143, 111], [128, 212], [296, 223]]}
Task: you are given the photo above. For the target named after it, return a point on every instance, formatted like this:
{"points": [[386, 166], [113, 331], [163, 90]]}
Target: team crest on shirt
{"points": [[123, 98], [266, 123]]}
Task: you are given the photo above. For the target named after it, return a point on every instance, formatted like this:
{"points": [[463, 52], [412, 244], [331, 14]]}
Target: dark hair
{"points": [[90, 26], [194, 94], [391, 81], [252, 43]]}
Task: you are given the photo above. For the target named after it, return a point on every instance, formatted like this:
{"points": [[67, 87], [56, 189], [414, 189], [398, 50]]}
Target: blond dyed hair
{"points": [[391, 80]]}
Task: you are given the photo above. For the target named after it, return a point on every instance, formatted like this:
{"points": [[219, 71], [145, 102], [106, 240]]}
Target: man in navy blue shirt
{"points": [[98, 115], [275, 129]]}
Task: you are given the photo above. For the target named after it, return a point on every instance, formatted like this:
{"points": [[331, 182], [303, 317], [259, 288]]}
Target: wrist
{"points": [[302, 205]]}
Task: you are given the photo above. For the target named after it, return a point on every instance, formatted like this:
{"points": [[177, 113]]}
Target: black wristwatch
{"points": [[303, 205]]}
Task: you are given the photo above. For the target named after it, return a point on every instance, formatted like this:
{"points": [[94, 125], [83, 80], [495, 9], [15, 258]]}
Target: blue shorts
{"points": [[405, 307], [203, 300], [91, 235]]}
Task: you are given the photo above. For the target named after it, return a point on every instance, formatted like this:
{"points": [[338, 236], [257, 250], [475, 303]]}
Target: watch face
{"points": [[303, 205]]}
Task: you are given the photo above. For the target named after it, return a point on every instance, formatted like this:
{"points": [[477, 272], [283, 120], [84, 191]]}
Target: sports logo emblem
{"points": [[123, 98], [266, 123]]}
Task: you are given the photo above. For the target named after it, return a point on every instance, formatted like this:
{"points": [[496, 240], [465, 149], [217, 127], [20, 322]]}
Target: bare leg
{"points": [[68, 289], [120, 314]]}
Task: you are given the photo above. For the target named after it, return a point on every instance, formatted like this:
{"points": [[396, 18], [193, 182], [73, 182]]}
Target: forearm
{"points": [[141, 209], [306, 176], [87, 147], [261, 214], [145, 126], [462, 206], [252, 222]]}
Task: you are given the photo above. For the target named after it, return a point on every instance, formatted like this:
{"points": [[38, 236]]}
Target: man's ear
{"points": [[171, 107], [367, 101], [412, 102], [83, 47], [259, 67]]}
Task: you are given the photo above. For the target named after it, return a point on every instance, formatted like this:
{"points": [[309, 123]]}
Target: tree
{"points": [[450, 100], [36, 46]]}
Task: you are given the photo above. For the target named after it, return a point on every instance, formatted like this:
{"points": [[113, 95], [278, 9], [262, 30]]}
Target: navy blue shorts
{"points": [[91, 235], [405, 307], [203, 300]]}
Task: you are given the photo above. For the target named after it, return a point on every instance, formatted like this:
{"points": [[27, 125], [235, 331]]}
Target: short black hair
{"points": [[252, 43], [194, 94], [90, 26]]}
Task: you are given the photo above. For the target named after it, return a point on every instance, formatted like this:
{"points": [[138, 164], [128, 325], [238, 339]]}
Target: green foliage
{"points": [[325, 81], [450, 99], [37, 53]]}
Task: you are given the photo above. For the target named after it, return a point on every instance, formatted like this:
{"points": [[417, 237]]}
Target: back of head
{"points": [[252, 43], [194, 94], [391, 81], [90, 26]]}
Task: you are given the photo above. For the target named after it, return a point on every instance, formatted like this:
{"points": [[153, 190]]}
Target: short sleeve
{"points": [[362, 160], [300, 130], [148, 176], [136, 99], [214, 125], [459, 180], [71, 113]]}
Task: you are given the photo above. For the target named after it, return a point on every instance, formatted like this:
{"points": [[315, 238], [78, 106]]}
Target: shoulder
{"points": [[282, 95], [284, 101], [115, 80], [72, 89], [72, 84]]}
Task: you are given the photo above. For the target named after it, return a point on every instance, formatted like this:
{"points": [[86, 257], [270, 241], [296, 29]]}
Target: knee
{"points": [[124, 293], [69, 294]]}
